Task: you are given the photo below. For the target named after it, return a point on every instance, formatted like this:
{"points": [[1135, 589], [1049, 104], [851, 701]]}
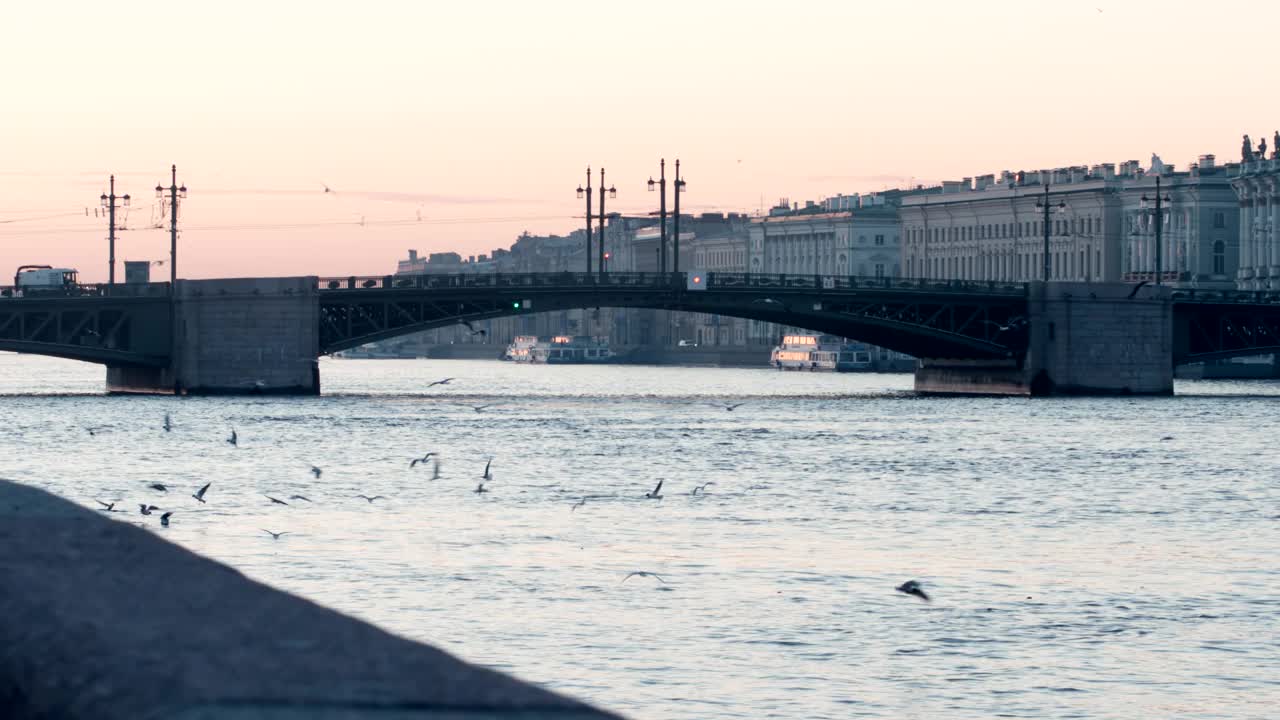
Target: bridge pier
{"points": [[236, 336], [1083, 339]]}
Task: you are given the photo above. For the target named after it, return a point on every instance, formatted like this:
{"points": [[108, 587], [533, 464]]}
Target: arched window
{"points": [[1219, 258]]}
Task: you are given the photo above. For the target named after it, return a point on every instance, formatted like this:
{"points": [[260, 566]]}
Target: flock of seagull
{"points": [[911, 587]]}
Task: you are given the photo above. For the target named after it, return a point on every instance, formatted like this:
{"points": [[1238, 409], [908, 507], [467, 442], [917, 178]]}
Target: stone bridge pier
{"points": [[1082, 339], [236, 336]]}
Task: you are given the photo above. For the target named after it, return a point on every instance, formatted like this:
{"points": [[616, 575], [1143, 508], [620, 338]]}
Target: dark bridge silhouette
{"points": [[240, 330]]}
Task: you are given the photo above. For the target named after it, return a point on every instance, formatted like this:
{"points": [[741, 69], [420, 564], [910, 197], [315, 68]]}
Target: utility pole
{"points": [[679, 188], [109, 202], [175, 194], [613, 193], [588, 192], [1044, 205], [662, 213]]}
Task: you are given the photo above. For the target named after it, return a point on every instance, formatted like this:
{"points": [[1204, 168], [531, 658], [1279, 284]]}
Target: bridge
{"points": [[265, 334]]}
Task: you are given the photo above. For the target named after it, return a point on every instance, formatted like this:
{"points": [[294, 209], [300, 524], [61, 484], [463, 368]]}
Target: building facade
{"points": [[1099, 226], [1257, 185]]}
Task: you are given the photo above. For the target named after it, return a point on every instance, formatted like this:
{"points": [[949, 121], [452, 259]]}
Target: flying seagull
{"points": [[316, 471], [300, 497], [440, 382], [733, 406], [106, 507], [702, 488], [146, 509], [168, 425], [274, 535], [578, 504], [1132, 292], [414, 462], [164, 519], [656, 493], [159, 486], [235, 441], [642, 573], [487, 475], [480, 408], [199, 494], [91, 431], [480, 488], [473, 329], [275, 500], [911, 587], [370, 500]]}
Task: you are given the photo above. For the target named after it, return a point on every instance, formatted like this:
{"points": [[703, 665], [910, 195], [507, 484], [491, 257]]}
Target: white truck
{"points": [[40, 279]]}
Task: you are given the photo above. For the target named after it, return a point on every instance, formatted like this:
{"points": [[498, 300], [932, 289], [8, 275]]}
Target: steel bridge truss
{"points": [[116, 333], [1214, 331]]}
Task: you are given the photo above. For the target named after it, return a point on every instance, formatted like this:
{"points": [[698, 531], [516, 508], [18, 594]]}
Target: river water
{"points": [[1093, 558]]}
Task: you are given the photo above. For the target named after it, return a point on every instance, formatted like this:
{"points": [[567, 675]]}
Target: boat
{"points": [[821, 353], [527, 349], [578, 350]]}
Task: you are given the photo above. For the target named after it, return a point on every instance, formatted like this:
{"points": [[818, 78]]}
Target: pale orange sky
{"points": [[482, 117]]}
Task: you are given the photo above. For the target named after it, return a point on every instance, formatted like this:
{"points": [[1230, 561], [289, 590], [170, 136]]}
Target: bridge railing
{"points": [[502, 280], [714, 280], [1246, 297], [87, 290]]}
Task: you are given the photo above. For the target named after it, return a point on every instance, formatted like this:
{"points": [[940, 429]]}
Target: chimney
{"points": [[413, 256], [1207, 162]]}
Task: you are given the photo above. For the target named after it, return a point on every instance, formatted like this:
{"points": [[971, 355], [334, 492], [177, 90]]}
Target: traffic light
{"points": [[515, 305]]}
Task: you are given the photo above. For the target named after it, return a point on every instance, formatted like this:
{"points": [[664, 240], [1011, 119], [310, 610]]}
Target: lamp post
{"points": [[679, 188], [175, 194], [109, 202], [613, 193], [662, 213], [1046, 207], [588, 192], [1159, 223]]}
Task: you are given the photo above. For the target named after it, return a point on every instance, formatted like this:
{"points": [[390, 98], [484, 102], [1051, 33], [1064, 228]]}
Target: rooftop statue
{"points": [[1246, 150]]}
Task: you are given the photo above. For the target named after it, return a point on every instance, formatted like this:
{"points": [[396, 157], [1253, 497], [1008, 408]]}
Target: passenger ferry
{"points": [[821, 353], [526, 348], [578, 349]]}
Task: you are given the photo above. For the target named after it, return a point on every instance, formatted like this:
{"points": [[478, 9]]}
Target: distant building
{"points": [[1257, 185], [137, 272], [986, 228]]}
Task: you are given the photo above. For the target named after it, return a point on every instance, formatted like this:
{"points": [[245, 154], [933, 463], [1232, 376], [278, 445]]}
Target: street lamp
{"points": [[175, 194], [109, 202], [588, 192], [662, 212], [613, 193], [1046, 206], [1159, 222], [679, 188]]}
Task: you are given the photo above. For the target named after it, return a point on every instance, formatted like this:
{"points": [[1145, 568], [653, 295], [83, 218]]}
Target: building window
{"points": [[1219, 257], [879, 270], [880, 240], [1219, 221]]}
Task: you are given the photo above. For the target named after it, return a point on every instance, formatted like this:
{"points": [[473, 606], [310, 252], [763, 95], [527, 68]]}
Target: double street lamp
{"points": [[613, 193], [1160, 200], [175, 194], [109, 202], [1047, 207], [661, 185]]}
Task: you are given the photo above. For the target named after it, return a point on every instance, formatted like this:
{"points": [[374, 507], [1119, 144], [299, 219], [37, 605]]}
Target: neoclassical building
{"points": [[1257, 184], [1100, 228]]}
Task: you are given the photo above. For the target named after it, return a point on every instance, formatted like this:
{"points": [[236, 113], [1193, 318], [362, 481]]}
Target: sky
{"points": [[456, 127]]}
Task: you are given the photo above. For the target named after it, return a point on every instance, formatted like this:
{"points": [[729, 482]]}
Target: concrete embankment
{"points": [[103, 620]]}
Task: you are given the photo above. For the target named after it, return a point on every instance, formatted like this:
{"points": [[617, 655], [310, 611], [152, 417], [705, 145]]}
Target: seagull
{"points": [[316, 471], [731, 407], [327, 189], [91, 431], [274, 535], [578, 504], [440, 382], [487, 475], [642, 573], [164, 519], [106, 507], [159, 486], [146, 509], [771, 301], [479, 408], [1135, 289], [1013, 324], [300, 497], [435, 469], [911, 587], [655, 494], [414, 462], [168, 426], [371, 499], [275, 500], [480, 488], [473, 329], [233, 439], [702, 488], [199, 494]]}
